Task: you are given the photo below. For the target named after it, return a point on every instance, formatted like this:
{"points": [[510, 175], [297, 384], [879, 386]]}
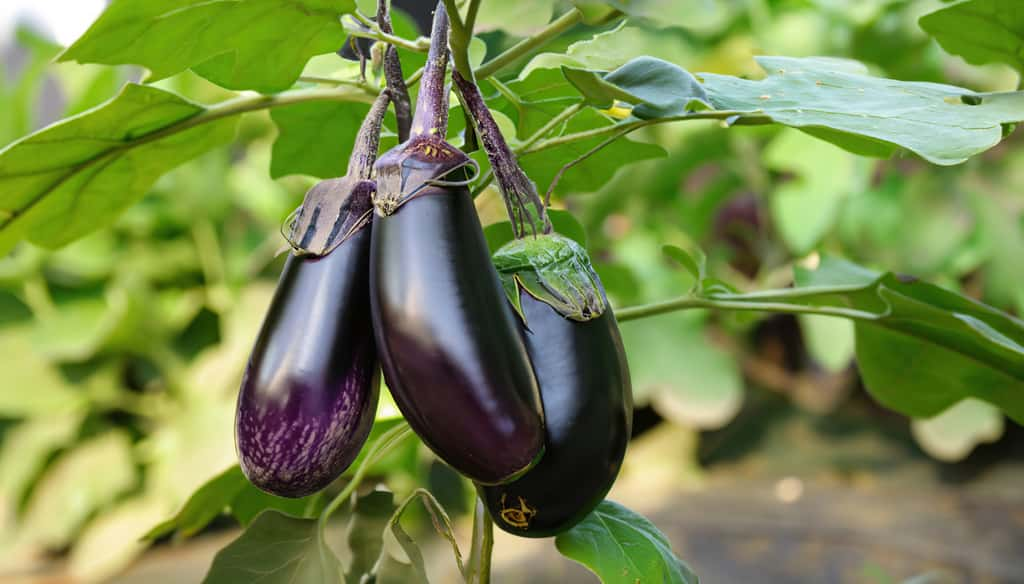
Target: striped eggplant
{"points": [[310, 390], [448, 341]]}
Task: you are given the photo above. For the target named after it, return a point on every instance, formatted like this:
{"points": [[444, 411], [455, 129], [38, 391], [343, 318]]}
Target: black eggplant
{"points": [[574, 346], [584, 380], [310, 390], [449, 344]]}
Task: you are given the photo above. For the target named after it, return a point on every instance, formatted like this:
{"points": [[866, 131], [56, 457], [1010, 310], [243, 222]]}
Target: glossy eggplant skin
{"points": [[310, 390], [585, 386], [448, 341]]}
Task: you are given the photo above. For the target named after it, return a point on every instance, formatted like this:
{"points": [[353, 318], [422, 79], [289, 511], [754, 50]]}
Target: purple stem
{"points": [[518, 191], [393, 75], [364, 151], [431, 117]]}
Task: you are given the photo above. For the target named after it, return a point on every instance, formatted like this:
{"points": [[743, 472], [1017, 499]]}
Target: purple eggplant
{"points": [[310, 390], [574, 345], [448, 341], [580, 364]]}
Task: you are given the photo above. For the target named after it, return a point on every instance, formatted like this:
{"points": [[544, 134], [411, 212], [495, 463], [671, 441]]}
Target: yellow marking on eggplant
{"points": [[520, 516]]}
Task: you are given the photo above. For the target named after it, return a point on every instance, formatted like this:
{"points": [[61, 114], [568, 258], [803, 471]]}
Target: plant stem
{"points": [[628, 127], [460, 37], [375, 33], [431, 116], [394, 77], [522, 202], [562, 117], [531, 43], [742, 302], [479, 568], [387, 441]]}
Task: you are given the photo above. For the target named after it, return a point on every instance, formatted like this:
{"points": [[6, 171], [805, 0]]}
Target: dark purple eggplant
{"points": [[310, 390], [574, 345], [448, 341], [584, 382]]}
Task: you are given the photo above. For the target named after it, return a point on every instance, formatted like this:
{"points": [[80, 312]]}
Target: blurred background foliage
{"points": [[122, 352]]}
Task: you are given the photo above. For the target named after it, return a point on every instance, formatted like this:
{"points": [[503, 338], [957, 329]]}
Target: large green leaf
{"points": [[623, 547], [980, 31], [920, 348], [315, 138], [75, 176], [836, 100], [205, 505], [255, 44], [656, 88], [276, 549]]}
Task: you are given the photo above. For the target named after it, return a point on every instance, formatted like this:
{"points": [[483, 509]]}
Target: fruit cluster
{"points": [[510, 368]]}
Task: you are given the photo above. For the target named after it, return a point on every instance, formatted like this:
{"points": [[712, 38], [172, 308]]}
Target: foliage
{"points": [[141, 232]]}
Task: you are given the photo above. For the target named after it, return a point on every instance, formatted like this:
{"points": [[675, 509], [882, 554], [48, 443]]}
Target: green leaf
{"points": [[805, 208], [276, 549], [75, 176], [920, 348], [50, 392], [702, 16], [980, 31], [521, 18], [685, 259], [623, 547], [257, 44], [835, 100], [401, 560], [655, 88], [110, 542], [953, 434], [250, 502], [26, 448], [673, 364], [205, 505], [370, 517], [79, 482], [315, 138], [594, 172]]}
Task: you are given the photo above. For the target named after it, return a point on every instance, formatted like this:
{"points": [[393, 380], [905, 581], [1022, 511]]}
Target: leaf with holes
{"points": [[836, 100]]}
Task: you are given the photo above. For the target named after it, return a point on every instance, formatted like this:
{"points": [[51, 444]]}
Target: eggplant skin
{"points": [[448, 341], [310, 390], [588, 407]]}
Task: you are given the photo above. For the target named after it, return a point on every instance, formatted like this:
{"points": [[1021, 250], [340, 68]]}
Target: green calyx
{"points": [[555, 270]]}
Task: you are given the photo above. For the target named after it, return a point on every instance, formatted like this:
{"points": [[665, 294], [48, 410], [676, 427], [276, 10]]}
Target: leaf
{"points": [[920, 348], [205, 505], [250, 502], [690, 380], [276, 549], [315, 138], [685, 259], [521, 18], [27, 446], [50, 393], [75, 176], [257, 44], [623, 547], [953, 434], [110, 542], [400, 560], [702, 16], [980, 31], [78, 483], [805, 208], [655, 88], [835, 100], [370, 517], [594, 172]]}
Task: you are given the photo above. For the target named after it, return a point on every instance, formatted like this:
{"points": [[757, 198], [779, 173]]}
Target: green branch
{"points": [[531, 43], [741, 302]]}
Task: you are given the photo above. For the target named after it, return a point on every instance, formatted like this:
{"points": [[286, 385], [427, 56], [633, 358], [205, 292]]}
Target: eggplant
{"points": [[309, 393], [574, 345], [577, 354], [448, 341]]}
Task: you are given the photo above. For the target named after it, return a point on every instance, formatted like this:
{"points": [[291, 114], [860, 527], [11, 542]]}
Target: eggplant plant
{"points": [[499, 344]]}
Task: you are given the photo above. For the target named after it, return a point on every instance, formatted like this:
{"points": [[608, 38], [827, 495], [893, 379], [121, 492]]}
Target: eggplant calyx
{"points": [[423, 161], [555, 270], [331, 212]]}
